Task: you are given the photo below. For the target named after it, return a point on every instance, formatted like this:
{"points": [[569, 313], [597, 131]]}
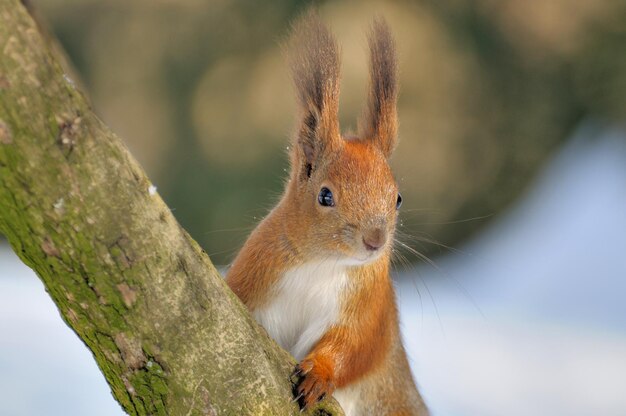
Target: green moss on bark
{"points": [[166, 332]]}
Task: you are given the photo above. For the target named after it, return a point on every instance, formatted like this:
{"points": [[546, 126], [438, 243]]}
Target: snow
{"points": [[44, 368]]}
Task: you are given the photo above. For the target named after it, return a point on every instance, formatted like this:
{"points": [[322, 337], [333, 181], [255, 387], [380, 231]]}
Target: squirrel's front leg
{"points": [[340, 357], [315, 379]]}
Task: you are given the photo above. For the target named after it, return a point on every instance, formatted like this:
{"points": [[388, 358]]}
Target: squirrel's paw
{"points": [[314, 382]]}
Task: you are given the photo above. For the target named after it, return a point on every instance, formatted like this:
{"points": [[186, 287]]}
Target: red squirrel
{"points": [[315, 271]]}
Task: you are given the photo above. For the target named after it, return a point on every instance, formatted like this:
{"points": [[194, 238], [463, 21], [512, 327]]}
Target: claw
{"points": [[313, 384], [298, 397]]}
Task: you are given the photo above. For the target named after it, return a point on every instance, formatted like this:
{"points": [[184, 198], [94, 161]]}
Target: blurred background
{"points": [[512, 167]]}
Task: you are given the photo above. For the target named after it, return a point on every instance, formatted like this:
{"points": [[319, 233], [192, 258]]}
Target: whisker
{"points": [[432, 298], [430, 240], [229, 252], [481, 217], [433, 210], [228, 230], [447, 275], [407, 266]]}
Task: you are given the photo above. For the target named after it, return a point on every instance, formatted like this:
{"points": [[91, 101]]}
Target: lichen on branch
{"points": [[166, 332]]}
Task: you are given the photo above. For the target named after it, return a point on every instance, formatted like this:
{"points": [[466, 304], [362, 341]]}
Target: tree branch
{"points": [[163, 327]]}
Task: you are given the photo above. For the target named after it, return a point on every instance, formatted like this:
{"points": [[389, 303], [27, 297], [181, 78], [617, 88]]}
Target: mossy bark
{"points": [[163, 327]]}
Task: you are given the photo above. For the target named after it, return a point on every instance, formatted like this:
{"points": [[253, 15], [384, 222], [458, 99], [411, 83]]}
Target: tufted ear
{"points": [[380, 121], [314, 56]]}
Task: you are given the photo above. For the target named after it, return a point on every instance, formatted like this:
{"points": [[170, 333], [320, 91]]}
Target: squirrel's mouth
{"points": [[363, 257], [358, 253]]}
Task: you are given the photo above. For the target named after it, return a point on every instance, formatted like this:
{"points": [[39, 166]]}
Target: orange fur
{"points": [[360, 351], [368, 316]]}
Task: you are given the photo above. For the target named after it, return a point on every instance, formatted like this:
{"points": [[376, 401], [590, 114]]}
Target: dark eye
{"points": [[325, 198], [399, 201]]}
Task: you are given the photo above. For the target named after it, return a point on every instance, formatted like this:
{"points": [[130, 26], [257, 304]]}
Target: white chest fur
{"points": [[305, 303]]}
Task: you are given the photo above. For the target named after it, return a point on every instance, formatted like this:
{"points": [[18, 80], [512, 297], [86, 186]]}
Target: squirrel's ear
{"points": [[314, 57], [380, 121]]}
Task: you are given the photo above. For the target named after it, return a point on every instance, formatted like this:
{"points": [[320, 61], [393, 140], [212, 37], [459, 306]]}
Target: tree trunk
{"points": [[163, 327]]}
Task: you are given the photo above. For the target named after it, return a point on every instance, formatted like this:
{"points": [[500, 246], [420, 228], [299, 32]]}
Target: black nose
{"points": [[374, 239]]}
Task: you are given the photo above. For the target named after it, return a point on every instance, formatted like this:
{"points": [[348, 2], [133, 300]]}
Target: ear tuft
{"points": [[314, 58], [380, 122]]}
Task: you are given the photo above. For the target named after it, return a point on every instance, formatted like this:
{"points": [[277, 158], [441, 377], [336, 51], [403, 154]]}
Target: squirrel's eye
{"points": [[399, 201], [325, 198]]}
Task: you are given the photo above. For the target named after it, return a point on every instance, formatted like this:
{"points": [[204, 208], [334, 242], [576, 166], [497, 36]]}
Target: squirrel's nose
{"points": [[374, 239]]}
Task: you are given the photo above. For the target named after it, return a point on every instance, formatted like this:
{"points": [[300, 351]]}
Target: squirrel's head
{"points": [[345, 193]]}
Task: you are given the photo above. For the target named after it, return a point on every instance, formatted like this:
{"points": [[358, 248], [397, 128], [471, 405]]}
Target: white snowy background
{"points": [[527, 319]]}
